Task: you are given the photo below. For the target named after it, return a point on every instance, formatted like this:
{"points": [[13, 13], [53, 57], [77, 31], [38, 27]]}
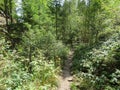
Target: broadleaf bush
{"points": [[98, 67]]}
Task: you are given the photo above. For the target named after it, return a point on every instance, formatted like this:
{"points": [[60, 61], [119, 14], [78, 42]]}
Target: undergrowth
{"points": [[98, 67]]}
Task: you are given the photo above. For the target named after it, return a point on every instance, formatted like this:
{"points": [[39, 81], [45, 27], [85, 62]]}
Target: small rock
{"points": [[70, 79]]}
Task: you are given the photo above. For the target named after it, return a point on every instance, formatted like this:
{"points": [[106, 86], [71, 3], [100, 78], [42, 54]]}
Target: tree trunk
{"points": [[10, 4], [6, 13], [30, 60]]}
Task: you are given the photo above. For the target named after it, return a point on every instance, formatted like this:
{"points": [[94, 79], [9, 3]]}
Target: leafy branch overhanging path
{"points": [[66, 78]]}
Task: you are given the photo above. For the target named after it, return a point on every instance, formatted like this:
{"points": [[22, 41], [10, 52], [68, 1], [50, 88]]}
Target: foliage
{"points": [[36, 36], [16, 76], [99, 66]]}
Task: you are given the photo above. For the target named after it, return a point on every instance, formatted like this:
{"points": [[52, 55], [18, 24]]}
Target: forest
{"points": [[59, 44]]}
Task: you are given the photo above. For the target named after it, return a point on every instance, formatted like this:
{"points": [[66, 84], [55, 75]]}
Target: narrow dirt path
{"points": [[66, 78]]}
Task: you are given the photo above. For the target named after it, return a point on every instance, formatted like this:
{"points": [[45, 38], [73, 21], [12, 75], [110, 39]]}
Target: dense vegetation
{"points": [[37, 35], [97, 66]]}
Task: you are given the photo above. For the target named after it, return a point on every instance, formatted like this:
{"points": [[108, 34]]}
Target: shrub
{"points": [[98, 67], [15, 74]]}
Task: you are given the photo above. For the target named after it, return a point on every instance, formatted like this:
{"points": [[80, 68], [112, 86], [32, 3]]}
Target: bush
{"points": [[15, 75], [47, 43], [98, 67]]}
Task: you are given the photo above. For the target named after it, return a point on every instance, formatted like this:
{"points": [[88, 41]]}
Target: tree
{"points": [[91, 20]]}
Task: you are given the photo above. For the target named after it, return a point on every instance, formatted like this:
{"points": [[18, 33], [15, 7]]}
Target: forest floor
{"points": [[65, 79]]}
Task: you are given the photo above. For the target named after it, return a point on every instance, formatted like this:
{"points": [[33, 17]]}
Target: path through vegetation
{"points": [[66, 78]]}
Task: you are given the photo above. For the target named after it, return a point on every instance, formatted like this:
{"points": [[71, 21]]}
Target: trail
{"points": [[66, 78]]}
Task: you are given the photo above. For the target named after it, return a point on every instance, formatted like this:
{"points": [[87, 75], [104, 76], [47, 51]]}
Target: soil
{"points": [[65, 79]]}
